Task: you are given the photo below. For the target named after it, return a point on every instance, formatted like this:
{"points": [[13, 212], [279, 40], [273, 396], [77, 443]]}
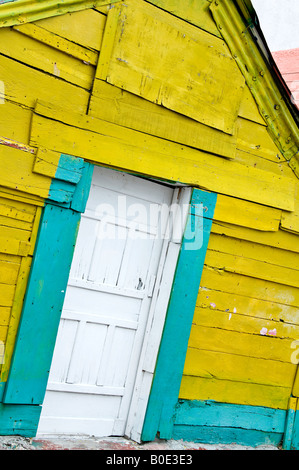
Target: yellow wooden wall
{"points": [[151, 88]]}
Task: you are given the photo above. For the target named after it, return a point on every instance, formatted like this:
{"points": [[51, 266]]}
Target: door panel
{"points": [[106, 305]]}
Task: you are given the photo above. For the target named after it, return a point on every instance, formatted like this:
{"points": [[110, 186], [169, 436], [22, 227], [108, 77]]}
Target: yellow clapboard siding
{"points": [[109, 144], [225, 366], [16, 172], [61, 44], [240, 343], [13, 195], [247, 314], [247, 214], [228, 391], [24, 85], [202, 81], [199, 16], [254, 138], [280, 167], [279, 239], [84, 27], [6, 295], [35, 54], [125, 109], [290, 220], [245, 323], [253, 268], [15, 120], [11, 222], [8, 272], [4, 315], [254, 251], [249, 109], [3, 334], [17, 210], [16, 308], [249, 286]]}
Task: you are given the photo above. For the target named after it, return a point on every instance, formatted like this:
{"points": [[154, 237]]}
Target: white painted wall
{"points": [[279, 21]]}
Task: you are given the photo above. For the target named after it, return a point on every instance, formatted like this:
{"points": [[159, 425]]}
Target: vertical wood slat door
{"points": [[106, 306]]}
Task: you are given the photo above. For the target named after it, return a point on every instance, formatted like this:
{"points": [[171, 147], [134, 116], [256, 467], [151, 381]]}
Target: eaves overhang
{"points": [[238, 24]]}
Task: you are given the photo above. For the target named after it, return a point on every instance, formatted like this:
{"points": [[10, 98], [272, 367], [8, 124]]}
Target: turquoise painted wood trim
{"points": [[71, 183], [210, 413], [171, 358], [2, 387], [82, 190], [295, 432], [217, 435], [69, 168], [289, 430], [19, 419], [42, 306]]}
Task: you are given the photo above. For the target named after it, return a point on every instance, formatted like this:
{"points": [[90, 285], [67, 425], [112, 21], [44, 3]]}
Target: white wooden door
{"points": [[106, 306]]}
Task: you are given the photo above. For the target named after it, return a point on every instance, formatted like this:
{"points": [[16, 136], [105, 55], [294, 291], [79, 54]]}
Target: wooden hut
{"points": [[149, 212]]}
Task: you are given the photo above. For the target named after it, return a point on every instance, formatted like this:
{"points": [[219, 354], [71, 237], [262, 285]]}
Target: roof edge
{"points": [[14, 12], [239, 26]]}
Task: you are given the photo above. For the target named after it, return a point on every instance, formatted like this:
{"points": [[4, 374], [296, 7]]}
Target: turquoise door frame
{"points": [[24, 391], [164, 394], [26, 386]]}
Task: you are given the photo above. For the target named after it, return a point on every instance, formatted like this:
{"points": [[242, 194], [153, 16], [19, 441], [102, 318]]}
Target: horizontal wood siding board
{"points": [[42, 307], [254, 288], [19, 419], [24, 85], [234, 392], [209, 413], [109, 144], [115, 105], [39, 56], [216, 435], [170, 363]]}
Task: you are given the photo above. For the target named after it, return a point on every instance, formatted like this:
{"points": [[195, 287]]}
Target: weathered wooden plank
{"points": [[279, 239], [45, 58], [199, 16], [6, 295], [57, 42], [19, 419], [290, 220], [17, 210], [16, 172], [254, 138], [234, 367], [252, 268], [14, 119], [207, 413], [85, 27], [229, 391], [247, 214], [249, 109], [106, 143], [24, 85], [8, 272], [14, 195], [126, 109], [250, 287], [240, 343], [24, 12], [254, 251], [4, 315], [240, 313], [280, 167], [201, 81]]}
